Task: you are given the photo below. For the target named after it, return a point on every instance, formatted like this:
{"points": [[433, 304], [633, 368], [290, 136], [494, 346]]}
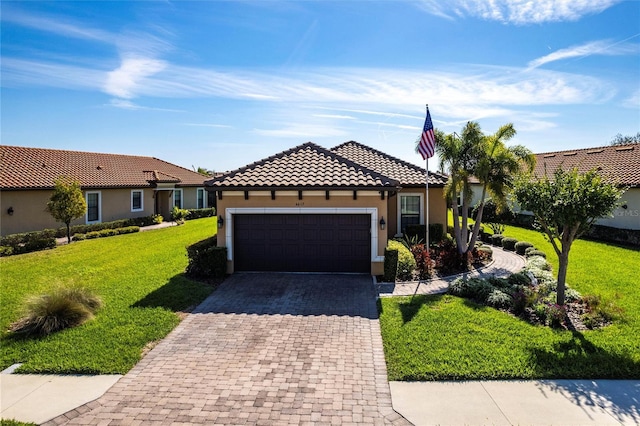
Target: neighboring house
{"points": [[310, 209], [114, 186], [619, 164]]}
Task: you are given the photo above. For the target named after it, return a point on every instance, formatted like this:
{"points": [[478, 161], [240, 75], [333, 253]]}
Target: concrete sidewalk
{"points": [[539, 402], [38, 398]]}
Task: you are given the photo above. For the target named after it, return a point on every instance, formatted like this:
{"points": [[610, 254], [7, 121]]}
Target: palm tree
{"points": [[459, 157], [497, 168], [490, 161]]}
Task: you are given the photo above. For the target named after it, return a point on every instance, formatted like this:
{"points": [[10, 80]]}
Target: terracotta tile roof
{"points": [[406, 173], [618, 163], [305, 166], [38, 168]]}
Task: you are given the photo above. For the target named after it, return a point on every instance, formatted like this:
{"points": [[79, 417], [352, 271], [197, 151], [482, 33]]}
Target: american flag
{"points": [[427, 144]]}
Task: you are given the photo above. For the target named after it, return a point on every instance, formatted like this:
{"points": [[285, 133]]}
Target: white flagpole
{"points": [[426, 194]]}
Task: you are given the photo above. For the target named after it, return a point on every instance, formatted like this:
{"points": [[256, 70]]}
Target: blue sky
{"points": [[220, 84]]}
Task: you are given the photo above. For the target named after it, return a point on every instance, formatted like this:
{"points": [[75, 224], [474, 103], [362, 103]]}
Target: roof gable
{"points": [[619, 164], [406, 173], [38, 168], [304, 166]]}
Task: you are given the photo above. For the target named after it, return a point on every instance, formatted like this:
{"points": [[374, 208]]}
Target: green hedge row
{"points": [[436, 232], [106, 233], [200, 213], [206, 259]]}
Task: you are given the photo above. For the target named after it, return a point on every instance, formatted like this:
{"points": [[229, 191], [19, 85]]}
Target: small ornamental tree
{"points": [[67, 203], [566, 206]]}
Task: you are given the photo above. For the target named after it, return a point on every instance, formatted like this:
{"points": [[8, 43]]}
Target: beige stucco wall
{"points": [[386, 208], [437, 208], [628, 218], [310, 200], [30, 215]]}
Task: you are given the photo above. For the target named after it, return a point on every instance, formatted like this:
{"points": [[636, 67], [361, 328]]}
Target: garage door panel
{"points": [[302, 243]]}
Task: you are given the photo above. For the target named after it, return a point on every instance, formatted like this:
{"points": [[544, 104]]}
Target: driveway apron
{"points": [[262, 349]]}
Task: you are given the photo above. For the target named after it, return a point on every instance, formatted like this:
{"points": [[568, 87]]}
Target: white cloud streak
{"points": [[599, 47], [479, 92], [123, 81], [518, 12], [56, 25]]}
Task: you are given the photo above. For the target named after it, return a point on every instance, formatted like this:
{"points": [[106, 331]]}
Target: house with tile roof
{"points": [[619, 164], [115, 186], [311, 209]]}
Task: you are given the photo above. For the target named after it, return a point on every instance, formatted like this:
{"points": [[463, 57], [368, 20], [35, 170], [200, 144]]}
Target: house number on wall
{"points": [[300, 204]]}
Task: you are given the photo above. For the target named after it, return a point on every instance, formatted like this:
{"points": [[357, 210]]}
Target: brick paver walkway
{"points": [[265, 349], [504, 263]]}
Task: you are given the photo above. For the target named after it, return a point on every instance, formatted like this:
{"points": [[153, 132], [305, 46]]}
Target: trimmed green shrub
{"points": [[537, 262], [487, 251], [499, 283], [436, 233], [479, 289], [509, 243], [522, 246], [200, 213], [406, 262], [496, 239], [390, 264], [529, 250], [539, 253], [106, 233], [27, 242], [499, 299], [206, 259], [60, 309], [519, 279], [6, 251]]}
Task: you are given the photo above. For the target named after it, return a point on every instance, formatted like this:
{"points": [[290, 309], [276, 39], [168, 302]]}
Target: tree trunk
{"points": [[476, 226], [563, 262], [68, 233]]}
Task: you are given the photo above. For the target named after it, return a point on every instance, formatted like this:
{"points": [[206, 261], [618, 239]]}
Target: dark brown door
{"points": [[302, 242]]}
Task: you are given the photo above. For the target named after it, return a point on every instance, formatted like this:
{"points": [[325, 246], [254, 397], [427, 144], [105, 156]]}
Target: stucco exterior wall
{"points": [[386, 208], [628, 218], [437, 208], [310, 200], [29, 207]]}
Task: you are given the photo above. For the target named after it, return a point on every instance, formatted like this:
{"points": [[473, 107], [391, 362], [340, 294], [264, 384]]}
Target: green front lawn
{"points": [[445, 337], [140, 280]]}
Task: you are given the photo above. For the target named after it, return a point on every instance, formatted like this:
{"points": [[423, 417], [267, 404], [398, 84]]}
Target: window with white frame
{"points": [[202, 198], [94, 202], [410, 210], [137, 200], [177, 198]]}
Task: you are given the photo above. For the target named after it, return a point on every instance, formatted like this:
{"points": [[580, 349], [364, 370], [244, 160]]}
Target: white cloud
{"points": [[517, 12], [336, 116], [599, 47], [217, 126], [123, 81], [57, 25], [632, 101], [302, 130]]}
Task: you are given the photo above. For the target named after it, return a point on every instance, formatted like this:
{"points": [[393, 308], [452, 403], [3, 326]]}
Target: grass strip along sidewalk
{"points": [[139, 278], [444, 337]]}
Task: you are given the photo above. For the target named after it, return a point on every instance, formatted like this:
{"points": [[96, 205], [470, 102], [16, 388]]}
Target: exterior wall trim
{"points": [[231, 211]]}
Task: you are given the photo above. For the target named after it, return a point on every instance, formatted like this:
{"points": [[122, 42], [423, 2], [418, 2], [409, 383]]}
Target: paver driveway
{"points": [[262, 349]]}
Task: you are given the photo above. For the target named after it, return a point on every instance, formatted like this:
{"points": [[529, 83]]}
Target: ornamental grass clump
{"points": [[57, 310]]}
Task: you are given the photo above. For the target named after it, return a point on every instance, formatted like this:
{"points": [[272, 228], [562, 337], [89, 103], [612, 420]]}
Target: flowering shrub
{"points": [[424, 264], [555, 314]]}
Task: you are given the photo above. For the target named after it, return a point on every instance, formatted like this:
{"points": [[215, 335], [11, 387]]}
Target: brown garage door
{"points": [[302, 242]]}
